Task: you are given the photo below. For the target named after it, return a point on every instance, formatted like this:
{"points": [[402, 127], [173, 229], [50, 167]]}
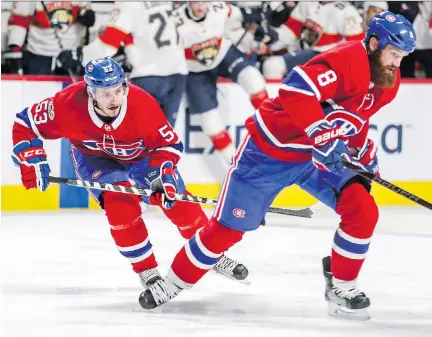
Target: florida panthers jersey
{"points": [[335, 85], [30, 17], [204, 41], [423, 25], [324, 25], [149, 35], [140, 129]]}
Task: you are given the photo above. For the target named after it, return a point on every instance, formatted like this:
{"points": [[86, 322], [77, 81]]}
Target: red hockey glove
{"points": [[163, 182], [32, 160]]}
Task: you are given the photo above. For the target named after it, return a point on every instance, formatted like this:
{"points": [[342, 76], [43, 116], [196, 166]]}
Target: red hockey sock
{"points": [[221, 140], [202, 251], [359, 215], [257, 98], [187, 216], [128, 229]]}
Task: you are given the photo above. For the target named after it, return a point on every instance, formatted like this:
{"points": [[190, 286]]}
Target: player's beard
{"points": [[381, 75]]}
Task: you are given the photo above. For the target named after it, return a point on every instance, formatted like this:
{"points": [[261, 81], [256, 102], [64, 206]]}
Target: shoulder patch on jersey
{"points": [[51, 110]]}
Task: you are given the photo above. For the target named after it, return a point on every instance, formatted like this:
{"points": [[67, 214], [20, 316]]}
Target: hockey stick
{"points": [[387, 184], [249, 25], [71, 74], [303, 213]]}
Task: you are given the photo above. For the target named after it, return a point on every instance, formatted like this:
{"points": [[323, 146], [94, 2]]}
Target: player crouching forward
{"points": [[321, 113], [118, 134], [210, 55]]}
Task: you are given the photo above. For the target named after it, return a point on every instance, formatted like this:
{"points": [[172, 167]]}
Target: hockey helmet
{"points": [[392, 29], [103, 73]]}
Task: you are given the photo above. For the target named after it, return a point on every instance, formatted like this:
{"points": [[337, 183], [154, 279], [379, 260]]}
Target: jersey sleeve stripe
{"points": [[25, 118], [229, 11], [32, 123], [176, 148], [272, 139], [22, 122], [307, 79], [291, 88]]}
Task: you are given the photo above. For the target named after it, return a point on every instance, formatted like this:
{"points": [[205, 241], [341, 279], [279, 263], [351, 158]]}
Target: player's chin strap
{"points": [[303, 213], [387, 184]]}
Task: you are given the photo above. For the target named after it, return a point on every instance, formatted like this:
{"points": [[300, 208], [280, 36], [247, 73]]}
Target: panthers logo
{"points": [[206, 52], [62, 18], [60, 14], [311, 32]]}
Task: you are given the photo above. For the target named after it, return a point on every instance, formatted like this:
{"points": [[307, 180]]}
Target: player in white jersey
{"points": [[423, 53], [210, 54], [148, 33], [372, 8], [319, 26], [47, 27]]}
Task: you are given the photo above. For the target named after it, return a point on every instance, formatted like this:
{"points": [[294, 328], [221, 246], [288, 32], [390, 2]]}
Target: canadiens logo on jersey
{"points": [[350, 123], [117, 150], [205, 52]]}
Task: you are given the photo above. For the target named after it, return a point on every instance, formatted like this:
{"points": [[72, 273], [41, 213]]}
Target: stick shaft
{"points": [[387, 184], [303, 213]]}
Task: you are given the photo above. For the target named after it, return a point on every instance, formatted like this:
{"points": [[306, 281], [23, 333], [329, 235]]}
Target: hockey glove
{"points": [[266, 35], [252, 15], [365, 157], [32, 160], [13, 59], [86, 17], [327, 146], [71, 59], [163, 182]]}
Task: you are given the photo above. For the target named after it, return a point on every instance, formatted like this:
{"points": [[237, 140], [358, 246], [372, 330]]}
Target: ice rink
{"points": [[62, 276]]}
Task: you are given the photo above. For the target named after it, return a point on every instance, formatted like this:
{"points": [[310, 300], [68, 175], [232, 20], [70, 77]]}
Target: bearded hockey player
{"points": [[321, 114]]}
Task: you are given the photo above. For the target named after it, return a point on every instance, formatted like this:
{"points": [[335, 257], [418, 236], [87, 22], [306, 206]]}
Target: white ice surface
{"points": [[62, 276]]}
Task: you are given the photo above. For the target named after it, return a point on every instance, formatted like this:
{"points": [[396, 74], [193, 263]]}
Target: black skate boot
{"points": [[160, 292], [148, 277], [231, 269], [344, 298]]}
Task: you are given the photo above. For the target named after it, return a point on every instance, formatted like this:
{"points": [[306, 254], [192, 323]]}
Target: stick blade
{"points": [[302, 213]]}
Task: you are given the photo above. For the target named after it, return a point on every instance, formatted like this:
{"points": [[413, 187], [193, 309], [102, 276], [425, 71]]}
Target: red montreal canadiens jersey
{"points": [[140, 129], [334, 85]]}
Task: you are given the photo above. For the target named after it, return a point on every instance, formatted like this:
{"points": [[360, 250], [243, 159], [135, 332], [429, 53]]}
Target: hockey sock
{"points": [[257, 98], [359, 215], [202, 251], [187, 216], [214, 127], [128, 229]]}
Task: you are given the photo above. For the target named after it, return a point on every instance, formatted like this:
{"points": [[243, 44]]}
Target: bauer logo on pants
{"points": [[239, 213]]}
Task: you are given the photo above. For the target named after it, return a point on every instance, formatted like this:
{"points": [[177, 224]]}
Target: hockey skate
{"points": [[148, 277], [160, 292], [231, 269], [344, 299]]}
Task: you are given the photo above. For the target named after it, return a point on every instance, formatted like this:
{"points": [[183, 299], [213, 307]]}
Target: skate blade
{"points": [[338, 311], [245, 281]]}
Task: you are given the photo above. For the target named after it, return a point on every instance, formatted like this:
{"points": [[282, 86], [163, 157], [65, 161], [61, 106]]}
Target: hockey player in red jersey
{"points": [[320, 115], [118, 134]]}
